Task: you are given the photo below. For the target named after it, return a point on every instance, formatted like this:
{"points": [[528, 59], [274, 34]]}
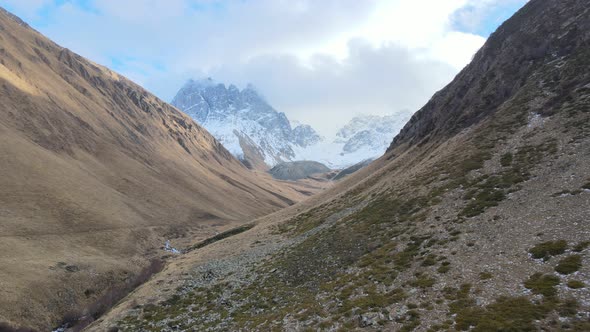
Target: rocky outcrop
{"points": [[296, 170]]}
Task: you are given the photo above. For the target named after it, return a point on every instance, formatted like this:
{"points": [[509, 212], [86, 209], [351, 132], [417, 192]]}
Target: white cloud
{"points": [[456, 48], [314, 60], [327, 92]]}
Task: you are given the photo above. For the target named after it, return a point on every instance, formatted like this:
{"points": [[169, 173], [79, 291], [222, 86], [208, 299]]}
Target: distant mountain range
{"points": [[262, 137]]}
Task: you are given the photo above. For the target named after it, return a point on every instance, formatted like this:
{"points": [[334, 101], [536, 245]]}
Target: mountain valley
{"points": [[119, 212], [97, 174], [475, 219]]}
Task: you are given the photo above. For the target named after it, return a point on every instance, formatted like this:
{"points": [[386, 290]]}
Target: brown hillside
{"points": [[96, 174]]}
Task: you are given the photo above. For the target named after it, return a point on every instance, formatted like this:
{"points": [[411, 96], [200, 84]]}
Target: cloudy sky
{"points": [[319, 61]]}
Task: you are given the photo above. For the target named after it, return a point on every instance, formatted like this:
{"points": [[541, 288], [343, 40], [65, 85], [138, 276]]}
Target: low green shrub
{"points": [[550, 248], [581, 246], [542, 284], [569, 264], [575, 284], [429, 260], [484, 199], [568, 308], [443, 269], [506, 314], [423, 281], [506, 159]]}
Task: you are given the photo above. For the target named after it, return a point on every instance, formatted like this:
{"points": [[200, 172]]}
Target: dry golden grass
{"points": [[97, 173]]}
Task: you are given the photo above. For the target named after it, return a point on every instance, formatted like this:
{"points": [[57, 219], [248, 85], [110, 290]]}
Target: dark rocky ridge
{"points": [[538, 33], [354, 168]]}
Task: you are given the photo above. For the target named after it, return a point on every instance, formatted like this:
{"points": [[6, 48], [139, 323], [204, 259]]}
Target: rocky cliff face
{"points": [[305, 136], [244, 122]]}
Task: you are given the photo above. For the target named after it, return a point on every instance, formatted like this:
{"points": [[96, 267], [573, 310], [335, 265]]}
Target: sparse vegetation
{"points": [[429, 260], [423, 281], [568, 308], [483, 200], [547, 249], [311, 219], [444, 268], [488, 191], [506, 159], [575, 284], [506, 314], [581, 246], [569, 264], [543, 284]]}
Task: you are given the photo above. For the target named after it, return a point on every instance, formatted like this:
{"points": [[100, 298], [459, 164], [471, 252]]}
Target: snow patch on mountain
{"points": [[252, 130], [364, 137], [243, 121]]}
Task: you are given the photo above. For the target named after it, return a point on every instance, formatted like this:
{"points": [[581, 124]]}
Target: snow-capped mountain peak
{"points": [[245, 123], [262, 137], [363, 137]]}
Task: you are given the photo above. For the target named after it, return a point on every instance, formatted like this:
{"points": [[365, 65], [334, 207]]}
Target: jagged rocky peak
{"points": [[304, 135], [245, 123], [262, 137]]}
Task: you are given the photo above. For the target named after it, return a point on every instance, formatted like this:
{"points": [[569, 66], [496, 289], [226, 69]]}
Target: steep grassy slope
{"points": [[96, 174], [477, 218]]}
